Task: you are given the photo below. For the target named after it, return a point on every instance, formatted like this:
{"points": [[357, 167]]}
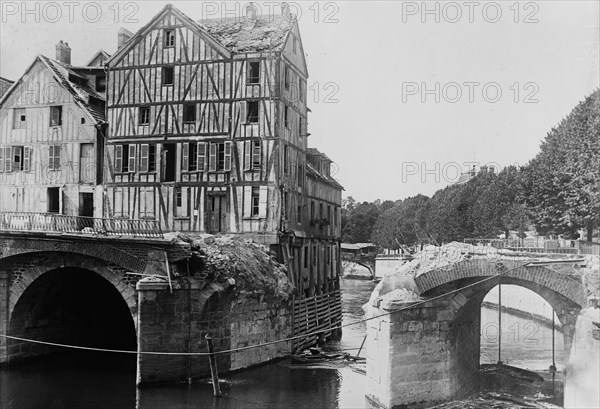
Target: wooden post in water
{"points": [[499, 324], [213, 366]]}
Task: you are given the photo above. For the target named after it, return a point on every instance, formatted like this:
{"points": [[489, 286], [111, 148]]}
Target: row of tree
{"points": [[557, 192]]}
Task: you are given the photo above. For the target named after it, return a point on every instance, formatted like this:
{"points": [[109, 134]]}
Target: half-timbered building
{"points": [[51, 139], [208, 133]]}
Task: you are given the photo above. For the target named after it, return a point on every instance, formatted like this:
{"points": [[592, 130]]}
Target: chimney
{"points": [[63, 53], [124, 36], [473, 173], [285, 11]]}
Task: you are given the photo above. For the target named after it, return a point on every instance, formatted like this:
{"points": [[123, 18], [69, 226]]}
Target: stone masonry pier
{"points": [[423, 345]]}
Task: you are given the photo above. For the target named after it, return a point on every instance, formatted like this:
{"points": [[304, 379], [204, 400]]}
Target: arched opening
{"points": [[72, 306], [520, 329]]}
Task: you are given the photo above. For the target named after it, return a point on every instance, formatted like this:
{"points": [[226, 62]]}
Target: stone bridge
{"points": [[429, 350]]}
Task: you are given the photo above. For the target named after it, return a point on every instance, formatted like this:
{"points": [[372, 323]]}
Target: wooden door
{"points": [[217, 213]]}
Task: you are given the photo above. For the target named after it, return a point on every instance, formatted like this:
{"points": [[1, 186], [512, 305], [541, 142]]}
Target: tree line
{"points": [[557, 193]]}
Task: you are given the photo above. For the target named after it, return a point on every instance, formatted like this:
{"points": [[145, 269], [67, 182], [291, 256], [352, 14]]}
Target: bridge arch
{"points": [[67, 298]]}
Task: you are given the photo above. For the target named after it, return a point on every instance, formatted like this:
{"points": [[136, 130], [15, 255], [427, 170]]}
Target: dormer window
{"points": [[169, 38], [253, 72]]}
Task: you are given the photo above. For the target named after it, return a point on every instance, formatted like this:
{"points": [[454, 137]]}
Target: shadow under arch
{"points": [[69, 299]]}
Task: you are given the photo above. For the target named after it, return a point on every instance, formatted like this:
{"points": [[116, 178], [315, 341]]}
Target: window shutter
{"points": [[1, 160], [118, 158], [247, 155], [243, 112], [202, 156], [7, 159], [257, 153], [212, 164], [145, 148], [131, 165], [247, 201], [56, 157], [26, 158], [227, 156], [262, 202], [185, 156]]}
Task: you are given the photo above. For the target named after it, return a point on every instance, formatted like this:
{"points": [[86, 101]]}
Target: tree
{"points": [[358, 222], [403, 222], [562, 183]]}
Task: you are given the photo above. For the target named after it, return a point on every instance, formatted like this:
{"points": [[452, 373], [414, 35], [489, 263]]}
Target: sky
{"points": [[403, 95]]}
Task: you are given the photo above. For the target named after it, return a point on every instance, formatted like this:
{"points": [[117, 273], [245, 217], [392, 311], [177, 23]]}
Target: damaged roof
{"points": [[263, 33], [81, 93], [312, 172]]}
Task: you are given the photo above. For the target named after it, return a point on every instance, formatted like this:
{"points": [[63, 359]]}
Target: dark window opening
{"points": [[286, 117], [17, 158], [178, 197], [167, 76], [53, 200], [189, 113], [253, 72], [300, 176], [101, 84], [256, 154], [286, 78], [152, 158], [55, 116], [255, 201], [299, 215], [169, 160], [125, 162], [144, 116], [252, 109], [169, 38]]}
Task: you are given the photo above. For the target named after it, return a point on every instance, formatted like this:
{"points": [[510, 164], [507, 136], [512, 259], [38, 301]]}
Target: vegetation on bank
{"points": [[557, 193]]}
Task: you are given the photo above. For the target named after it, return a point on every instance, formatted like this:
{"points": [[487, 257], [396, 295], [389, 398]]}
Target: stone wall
{"points": [[178, 321]]}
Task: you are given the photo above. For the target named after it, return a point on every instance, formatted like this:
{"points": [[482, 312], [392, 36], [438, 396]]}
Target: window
{"points": [[299, 214], [144, 116], [220, 157], [255, 201], [253, 73], [54, 157], [306, 257], [169, 37], [252, 154], [7, 159], [300, 175], [189, 113], [101, 84], [312, 210], [125, 158], [53, 200], [147, 158], [286, 160], [178, 197], [252, 112], [167, 76], [82, 121], [56, 116], [286, 78], [302, 90], [182, 195], [19, 118], [17, 158], [201, 153], [286, 117], [301, 127]]}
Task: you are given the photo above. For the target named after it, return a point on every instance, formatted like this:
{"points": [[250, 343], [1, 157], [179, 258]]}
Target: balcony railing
{"points": [[52, 222], [541, 245]]}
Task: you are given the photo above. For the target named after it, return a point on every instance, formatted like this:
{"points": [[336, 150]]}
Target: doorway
{"points": [[53, 200], [217, 213]]}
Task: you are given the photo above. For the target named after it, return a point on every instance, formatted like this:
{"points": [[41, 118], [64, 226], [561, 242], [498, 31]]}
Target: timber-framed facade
{"points": [[208, 134]]}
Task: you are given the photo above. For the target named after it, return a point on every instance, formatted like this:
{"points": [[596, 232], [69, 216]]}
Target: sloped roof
{"points": [[312, 172], [81, 93], [316, 152], [238, 35], [100, 55], [4, 85]]}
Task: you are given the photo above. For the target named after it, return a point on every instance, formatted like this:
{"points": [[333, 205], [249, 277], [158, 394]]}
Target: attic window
{"points": [[167, 76], [253, 72], [56, 116], [169, 38], [82, 121]]}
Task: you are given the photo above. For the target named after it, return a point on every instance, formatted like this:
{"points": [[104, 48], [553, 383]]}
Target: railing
{"points": [[52, 222], [540, 245]]}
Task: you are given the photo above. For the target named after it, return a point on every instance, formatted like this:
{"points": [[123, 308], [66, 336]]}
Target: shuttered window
{"points": [[54, 157], [1, 159], [119, 158], [144, 157], [202, 156], [132, 158], [185, 155], [26, 159], [252, 155], [255, 201], [220, 157]]}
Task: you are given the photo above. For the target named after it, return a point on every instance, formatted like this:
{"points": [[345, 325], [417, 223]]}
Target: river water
{"points": [[90, 381]]}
